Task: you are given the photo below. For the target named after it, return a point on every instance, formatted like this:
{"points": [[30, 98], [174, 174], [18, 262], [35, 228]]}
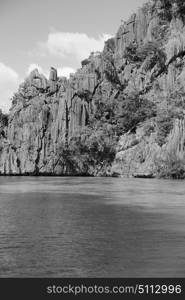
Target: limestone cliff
{"points": [[146, 57]]}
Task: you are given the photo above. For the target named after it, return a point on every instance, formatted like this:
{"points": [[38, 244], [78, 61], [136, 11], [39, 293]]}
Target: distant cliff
{"points": [[121, 114]]}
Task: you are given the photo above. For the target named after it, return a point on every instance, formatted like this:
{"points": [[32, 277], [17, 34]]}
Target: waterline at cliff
{"points": [[121, 114]]}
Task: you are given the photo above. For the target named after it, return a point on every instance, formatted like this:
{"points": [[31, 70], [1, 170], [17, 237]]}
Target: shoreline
{"points": [[91, 176]]}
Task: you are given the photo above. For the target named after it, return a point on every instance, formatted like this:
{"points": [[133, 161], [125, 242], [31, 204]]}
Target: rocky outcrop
{"points": [[44, 114], [136, 154], [146, 54]]}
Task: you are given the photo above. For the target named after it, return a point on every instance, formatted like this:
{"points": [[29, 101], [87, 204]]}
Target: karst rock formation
{"points": [[146, 56]]}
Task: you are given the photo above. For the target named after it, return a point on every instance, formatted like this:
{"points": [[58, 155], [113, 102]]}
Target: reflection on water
{"points": [[91, 227]]}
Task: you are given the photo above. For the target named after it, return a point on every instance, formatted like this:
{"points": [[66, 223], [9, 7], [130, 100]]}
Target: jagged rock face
{"points": [[139, 155], [34, 130], [32, 138], [136, 154], [46, 113], [43, 112]]}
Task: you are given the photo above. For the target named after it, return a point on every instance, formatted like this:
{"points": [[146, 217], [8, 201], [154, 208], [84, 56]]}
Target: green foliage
{"points": [[161, 31], [89, 151], [85, 62], [3, 123], [164, 126], [110, 44], [110, 69], [104, 110], [175, 106], [178, 8], [134, 110], [153, 55], [3, 119], [176, 102], [171, 167], [131, 53], [122, 114], [111, 75], [165, 10], [170, 8], [150, 54]]}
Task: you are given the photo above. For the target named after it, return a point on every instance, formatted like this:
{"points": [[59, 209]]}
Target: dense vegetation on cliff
{"points": [[121, 114]]}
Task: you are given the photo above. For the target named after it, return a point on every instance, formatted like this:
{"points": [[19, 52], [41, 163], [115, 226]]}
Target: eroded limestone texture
{"points": [[45, 113]]}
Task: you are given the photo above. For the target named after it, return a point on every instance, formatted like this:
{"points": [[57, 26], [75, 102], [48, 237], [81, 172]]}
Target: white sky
{"points": [[58, 33]]}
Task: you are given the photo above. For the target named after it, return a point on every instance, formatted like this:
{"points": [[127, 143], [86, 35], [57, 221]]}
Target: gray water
{"points": [[91, 227]]}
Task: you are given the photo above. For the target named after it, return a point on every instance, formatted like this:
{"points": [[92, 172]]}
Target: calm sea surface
{"points": [[91, 227]]}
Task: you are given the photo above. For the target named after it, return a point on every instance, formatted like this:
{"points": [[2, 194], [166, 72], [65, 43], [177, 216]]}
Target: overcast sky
{"points": [[59, 33]]}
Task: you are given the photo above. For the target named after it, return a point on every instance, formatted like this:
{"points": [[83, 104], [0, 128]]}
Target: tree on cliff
{"points": [[133, 110], [89, 151]]}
